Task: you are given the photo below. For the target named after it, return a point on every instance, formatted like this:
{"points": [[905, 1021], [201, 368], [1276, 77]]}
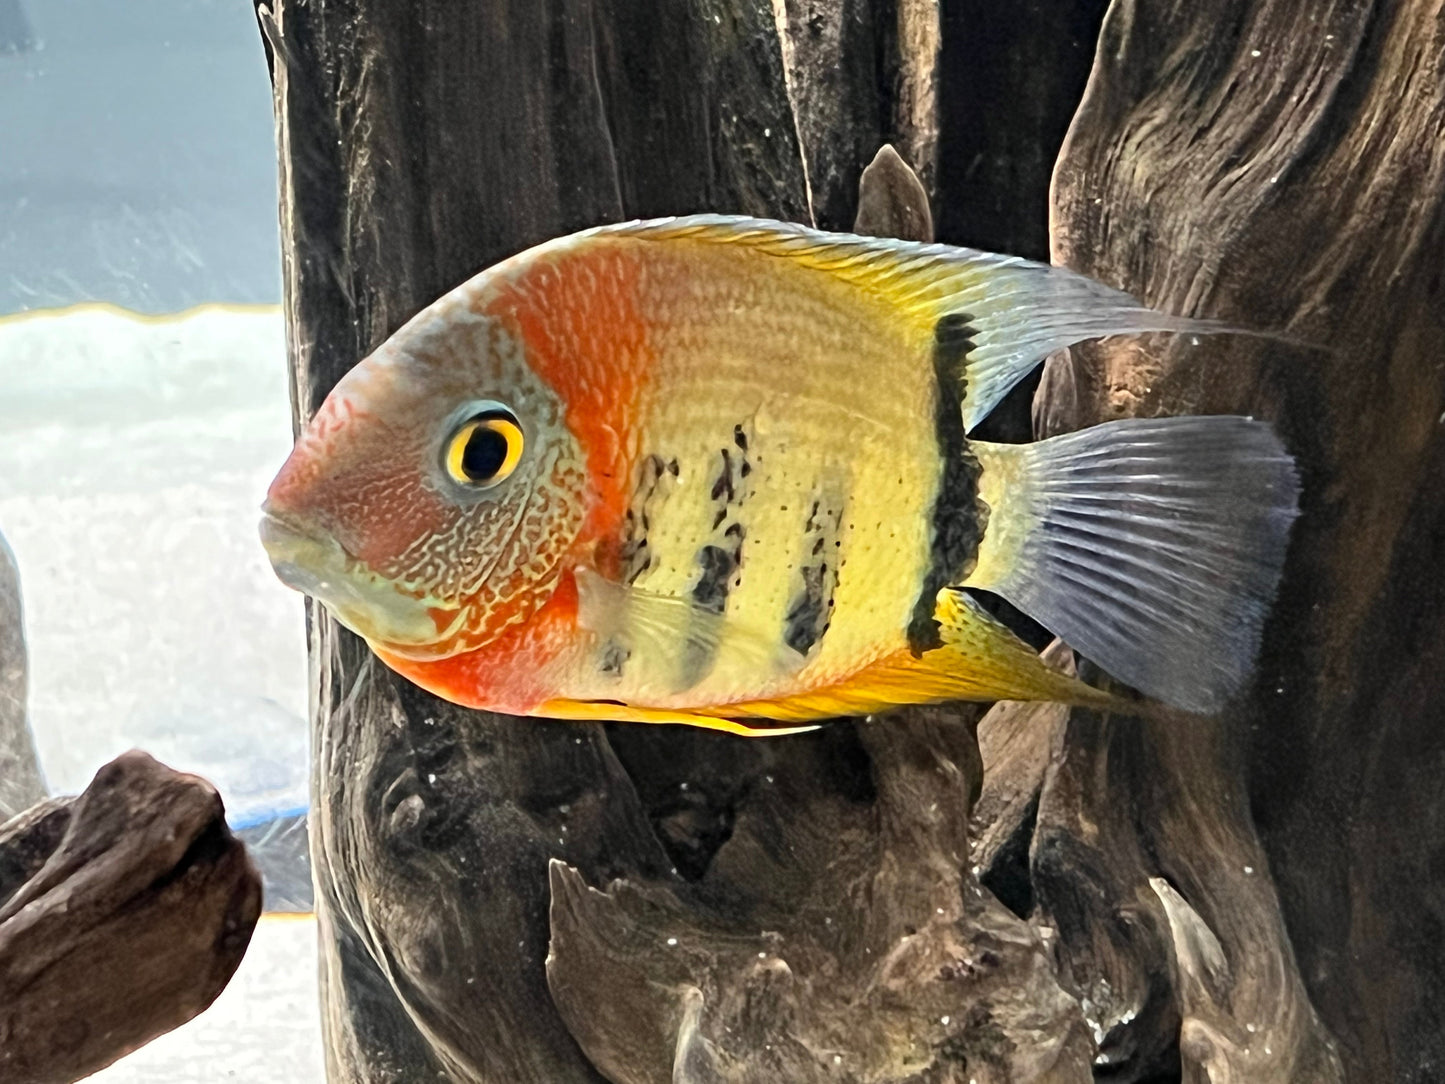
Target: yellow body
{"points": [[819, 375]]}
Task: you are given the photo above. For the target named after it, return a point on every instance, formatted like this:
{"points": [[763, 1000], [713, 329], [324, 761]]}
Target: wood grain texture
{"points": [[1283, 168], [123, 913], [833, 51], [835, 937]]}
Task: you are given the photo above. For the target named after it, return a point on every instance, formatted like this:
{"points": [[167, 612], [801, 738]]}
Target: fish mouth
{"points": [[304, 561], [311, 561]]}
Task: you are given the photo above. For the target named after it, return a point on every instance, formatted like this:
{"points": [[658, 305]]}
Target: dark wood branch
{"points": [[831, 940], [832, 51], [123, 913], [1017, 742], [1232, 160]]}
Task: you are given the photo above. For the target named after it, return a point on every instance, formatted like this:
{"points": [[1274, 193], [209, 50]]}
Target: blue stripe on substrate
{"points": [[251, 818]]}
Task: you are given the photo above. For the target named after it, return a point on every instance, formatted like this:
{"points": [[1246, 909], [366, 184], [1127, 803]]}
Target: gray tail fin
{"points": [[1154, 546]]}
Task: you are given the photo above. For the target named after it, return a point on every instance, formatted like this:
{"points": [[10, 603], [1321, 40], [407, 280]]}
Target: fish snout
{"points": [[308, 559], [305, 559]]}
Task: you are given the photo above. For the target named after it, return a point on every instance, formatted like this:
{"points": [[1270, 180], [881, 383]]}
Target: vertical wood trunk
{"points": [[1282, 166], [823, 900], [433, 826], [420, 143]]}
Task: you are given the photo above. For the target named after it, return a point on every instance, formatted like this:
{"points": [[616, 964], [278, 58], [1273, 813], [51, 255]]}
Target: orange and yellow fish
{"points": [[717, 471]]}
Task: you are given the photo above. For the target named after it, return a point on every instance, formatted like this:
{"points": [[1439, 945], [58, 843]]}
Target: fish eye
{"points": [[485, 449]]}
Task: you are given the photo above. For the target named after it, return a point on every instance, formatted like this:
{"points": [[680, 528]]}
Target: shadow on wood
{"points": [[123, 913]]}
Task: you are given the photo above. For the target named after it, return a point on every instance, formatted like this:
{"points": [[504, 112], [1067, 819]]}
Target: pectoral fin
{"points": [[672, 636]]}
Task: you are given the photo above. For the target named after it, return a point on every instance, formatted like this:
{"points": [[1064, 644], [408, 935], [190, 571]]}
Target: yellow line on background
{"points": [[287, 916], [140, 317]]}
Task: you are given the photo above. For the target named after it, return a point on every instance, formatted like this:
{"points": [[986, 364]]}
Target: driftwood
{"points": [[1281, 167], [123, 913], [522, 900]]}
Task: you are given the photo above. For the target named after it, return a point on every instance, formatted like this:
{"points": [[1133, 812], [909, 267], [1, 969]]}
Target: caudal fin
{"points": [[1154, 546]]}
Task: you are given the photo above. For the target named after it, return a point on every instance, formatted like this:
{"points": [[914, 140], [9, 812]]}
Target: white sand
{"points": [[133, 458], [265, 1027]]}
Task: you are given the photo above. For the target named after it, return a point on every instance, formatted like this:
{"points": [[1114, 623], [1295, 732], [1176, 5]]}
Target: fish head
{"points": [[431, 501]]}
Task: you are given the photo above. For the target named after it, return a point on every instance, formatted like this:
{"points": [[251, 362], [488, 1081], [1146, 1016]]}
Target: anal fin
{"points": [[980, 660], [616, 711]]}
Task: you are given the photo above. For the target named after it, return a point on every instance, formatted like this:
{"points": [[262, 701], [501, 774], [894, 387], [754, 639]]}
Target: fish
{"points": [[719, 471]]}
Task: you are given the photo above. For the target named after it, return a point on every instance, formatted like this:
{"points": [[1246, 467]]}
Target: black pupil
{"points": [[484, 454]]}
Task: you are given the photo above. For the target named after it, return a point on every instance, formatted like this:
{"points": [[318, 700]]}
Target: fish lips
{"points": [[314, 563]]}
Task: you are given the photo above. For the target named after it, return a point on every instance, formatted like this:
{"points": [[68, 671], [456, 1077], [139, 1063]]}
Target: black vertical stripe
{"points": [[807, 619], [719, 562], [635, 555], [811, 609], [716, 566], [958, 518]]}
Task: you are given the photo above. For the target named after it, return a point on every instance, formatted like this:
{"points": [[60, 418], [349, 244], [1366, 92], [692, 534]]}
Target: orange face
{"points": [[433, 499]]}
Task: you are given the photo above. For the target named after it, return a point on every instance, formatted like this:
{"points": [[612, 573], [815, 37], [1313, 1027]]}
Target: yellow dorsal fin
{"points": [[1017, 311]]}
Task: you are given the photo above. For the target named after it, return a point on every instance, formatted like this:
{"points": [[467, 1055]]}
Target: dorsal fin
{"points": [[1019, 311]]}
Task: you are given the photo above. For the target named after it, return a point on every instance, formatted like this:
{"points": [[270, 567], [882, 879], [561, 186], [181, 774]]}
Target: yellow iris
{"points": [[485, 450]]}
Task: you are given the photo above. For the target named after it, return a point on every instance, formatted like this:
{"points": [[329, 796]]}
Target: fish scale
{"points": [[882, 466]]}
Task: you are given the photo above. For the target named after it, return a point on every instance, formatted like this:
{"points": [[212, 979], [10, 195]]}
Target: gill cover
{"points": [[432, 498]]}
